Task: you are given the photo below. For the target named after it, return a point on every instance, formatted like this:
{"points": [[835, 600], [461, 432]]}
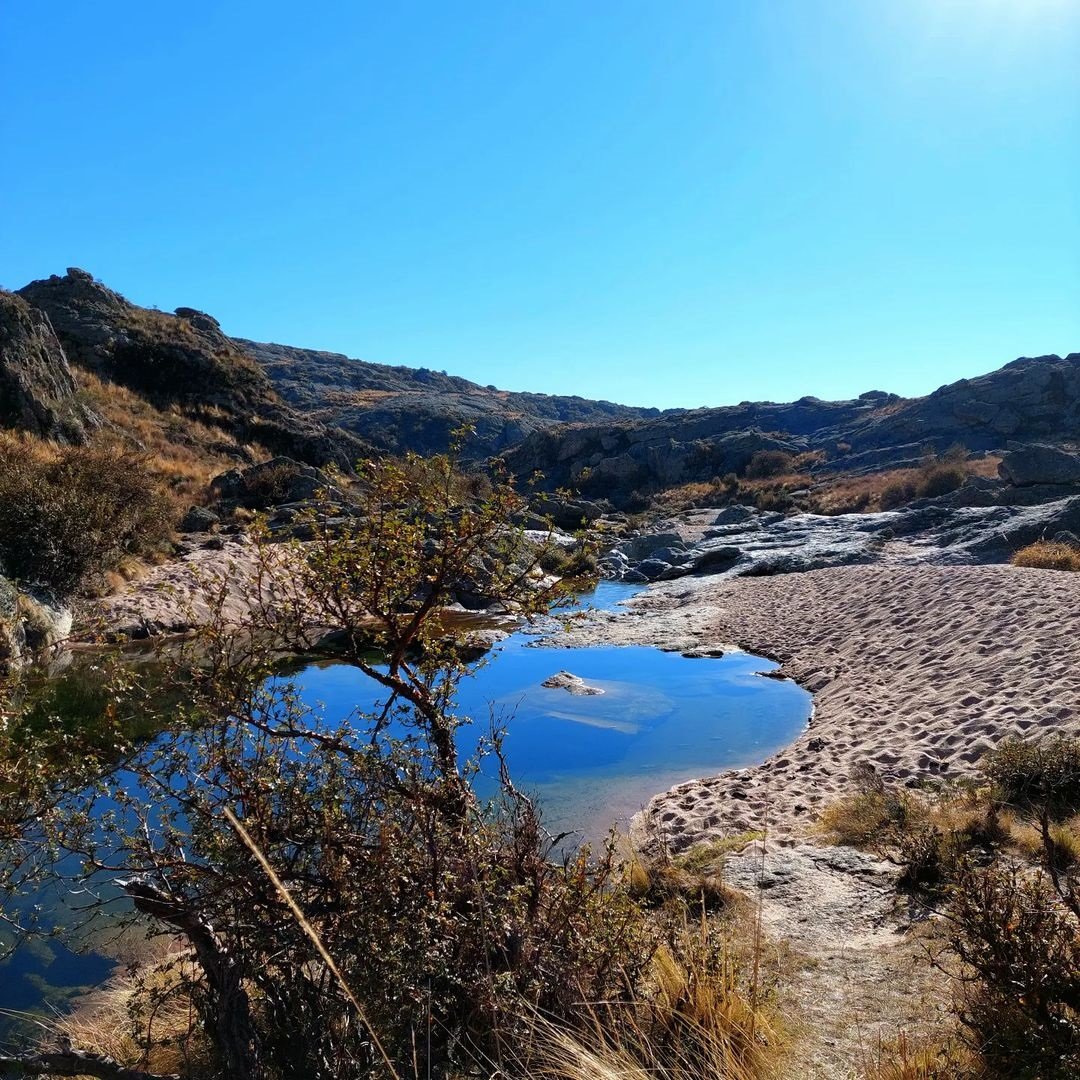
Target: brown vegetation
{"points": [[71, 514], [184, 451], [1001, 860], [1048, 555]]}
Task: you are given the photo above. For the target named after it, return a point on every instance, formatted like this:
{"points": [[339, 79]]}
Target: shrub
{"points": [[1020, 946], [1040, 776], [576, 562], [898, 493], [70, 516], [270, 484], [940, 479], [767, 463], [1048, 555]]}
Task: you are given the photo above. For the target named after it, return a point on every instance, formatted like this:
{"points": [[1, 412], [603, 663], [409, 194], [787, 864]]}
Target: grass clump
{"points": [[1048, 555], [702, 1016]]}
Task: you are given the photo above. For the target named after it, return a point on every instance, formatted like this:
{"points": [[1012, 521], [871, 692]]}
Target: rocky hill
{"points": [[69, 345], [1032, 399], [180, 362], [401, 408]]}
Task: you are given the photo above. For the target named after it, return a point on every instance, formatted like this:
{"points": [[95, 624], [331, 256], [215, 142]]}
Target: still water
{"points": [[591, 760]]}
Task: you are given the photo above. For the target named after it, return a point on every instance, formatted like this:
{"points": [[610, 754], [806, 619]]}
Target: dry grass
{"points": [[142, 1017], [1048, 555], [184, 451], [1028, 840], [905, 1058], [701, 1020]]}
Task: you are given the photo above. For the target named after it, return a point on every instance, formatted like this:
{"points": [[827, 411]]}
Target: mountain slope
{"points": [[400, 408], [181, 363]]}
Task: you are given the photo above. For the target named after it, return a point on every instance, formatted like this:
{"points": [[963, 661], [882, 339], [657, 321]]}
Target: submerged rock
{"points": [[572, 684]]}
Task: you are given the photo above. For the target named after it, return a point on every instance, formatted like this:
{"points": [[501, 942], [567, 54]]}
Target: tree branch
{"points": [[74, 1063]]}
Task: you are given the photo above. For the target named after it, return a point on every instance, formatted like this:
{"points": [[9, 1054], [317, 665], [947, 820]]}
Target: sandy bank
{"points": [[915, 669]]}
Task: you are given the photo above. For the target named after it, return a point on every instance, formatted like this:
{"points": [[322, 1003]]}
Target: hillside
{"points": [[135, 362], [401, 408]]}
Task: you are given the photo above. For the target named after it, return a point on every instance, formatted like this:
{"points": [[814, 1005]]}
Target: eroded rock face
{"points": [[37, 389]]}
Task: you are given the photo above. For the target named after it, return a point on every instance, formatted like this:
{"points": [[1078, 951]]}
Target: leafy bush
{"points": [[1048, 555], [69, 516], [768, 463]]}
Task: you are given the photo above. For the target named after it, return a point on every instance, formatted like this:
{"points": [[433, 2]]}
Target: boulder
{"points": [[271, 483], [1037, 463], [38, 392], [199, 519]]}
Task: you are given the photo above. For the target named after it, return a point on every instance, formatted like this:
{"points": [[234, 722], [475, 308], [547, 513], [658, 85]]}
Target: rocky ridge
{"points": [[400, 408], [183, 360], [1029, 400]]}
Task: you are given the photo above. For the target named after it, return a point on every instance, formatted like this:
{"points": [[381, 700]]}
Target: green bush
{"points": [[68, 517]]}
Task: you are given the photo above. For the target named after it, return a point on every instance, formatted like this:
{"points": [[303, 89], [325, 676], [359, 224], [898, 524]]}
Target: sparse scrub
{"points": [[1048, 555], [897, 493], [1017, 936], [874, 816], [184, 449], [703, 1017]]}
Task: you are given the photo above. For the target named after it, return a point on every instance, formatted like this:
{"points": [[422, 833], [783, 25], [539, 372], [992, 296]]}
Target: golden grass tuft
{"points": [[701, 1020], [142, 1017], [905, 1058], [1048, 555]]}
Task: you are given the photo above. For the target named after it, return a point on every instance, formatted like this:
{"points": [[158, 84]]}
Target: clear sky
{"points": [[669, 202]]}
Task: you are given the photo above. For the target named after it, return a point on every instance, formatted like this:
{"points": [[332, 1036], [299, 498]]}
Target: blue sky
{"points": [[668, 203]]}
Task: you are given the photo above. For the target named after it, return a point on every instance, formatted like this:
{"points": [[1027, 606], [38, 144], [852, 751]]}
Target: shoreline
{"points": [[915, 670]]}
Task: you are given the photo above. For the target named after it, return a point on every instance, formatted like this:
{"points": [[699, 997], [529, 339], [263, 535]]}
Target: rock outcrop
{"points": [[1030, 400], [1025, 466], [741, 542], [37, 390], [181, 360]]}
